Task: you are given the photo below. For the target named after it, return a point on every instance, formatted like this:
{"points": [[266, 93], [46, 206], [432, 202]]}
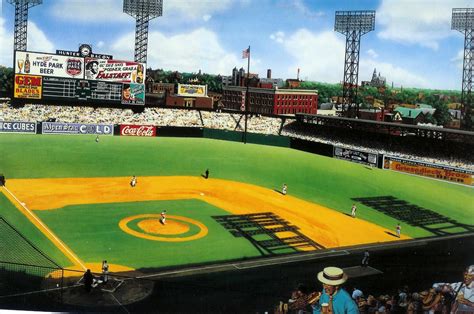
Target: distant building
{"points": [[190, 96], [327, 109], [162, 88], [226, 80], [408, 115], [271, 83], [372, 114], [377, 80], [239, 78], [270, 100], [293, 83]]}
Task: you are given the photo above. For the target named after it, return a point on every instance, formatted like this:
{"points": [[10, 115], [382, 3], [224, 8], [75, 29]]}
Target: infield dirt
{"points": [[323, 225]]}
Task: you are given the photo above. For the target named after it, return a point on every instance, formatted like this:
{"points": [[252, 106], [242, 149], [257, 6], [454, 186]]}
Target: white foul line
{"points": [[47, 229]]}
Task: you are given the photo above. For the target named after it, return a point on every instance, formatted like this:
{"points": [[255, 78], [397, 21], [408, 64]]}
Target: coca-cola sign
{"points": [[137, 130]]}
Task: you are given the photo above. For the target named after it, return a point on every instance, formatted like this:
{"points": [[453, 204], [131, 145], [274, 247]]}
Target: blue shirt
{"points": [[342, 303]]}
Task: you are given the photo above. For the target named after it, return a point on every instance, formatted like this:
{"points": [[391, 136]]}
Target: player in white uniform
{"points": [[133, 182], [163, 217], [354, 209]]}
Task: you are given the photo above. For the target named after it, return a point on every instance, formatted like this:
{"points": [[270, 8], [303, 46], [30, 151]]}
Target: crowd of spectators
{"points": [[228, 121], [452, 154], [150, 116], [455, 297]]}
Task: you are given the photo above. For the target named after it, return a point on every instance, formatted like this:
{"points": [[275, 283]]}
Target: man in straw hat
{"points": [[334, 299]]}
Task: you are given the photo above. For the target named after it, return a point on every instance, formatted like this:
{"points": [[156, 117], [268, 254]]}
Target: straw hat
{"points": [[332, 276]]}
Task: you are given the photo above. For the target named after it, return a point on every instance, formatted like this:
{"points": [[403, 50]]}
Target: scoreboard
{"points": [[52, 77]]}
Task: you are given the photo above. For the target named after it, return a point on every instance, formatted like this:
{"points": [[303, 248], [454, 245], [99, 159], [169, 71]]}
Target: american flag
{"points": [[246, 53]]}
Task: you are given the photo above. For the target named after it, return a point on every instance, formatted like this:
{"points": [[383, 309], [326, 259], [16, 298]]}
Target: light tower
{"points": [[21, 21], [143, 11], [352, 24], [463, 21]]}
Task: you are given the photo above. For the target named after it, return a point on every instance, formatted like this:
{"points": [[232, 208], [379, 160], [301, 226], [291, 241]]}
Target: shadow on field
{"points": [[415, 215], [391, 233], [261, 229]]}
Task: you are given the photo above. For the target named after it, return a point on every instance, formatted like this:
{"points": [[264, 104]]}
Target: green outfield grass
{"points": [[314, 178]]}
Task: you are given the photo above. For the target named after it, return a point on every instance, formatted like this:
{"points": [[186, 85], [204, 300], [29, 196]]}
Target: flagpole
{"points": [[247, 97]]}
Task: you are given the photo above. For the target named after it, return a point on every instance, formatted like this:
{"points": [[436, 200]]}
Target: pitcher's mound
{"points": [[156, 227]]}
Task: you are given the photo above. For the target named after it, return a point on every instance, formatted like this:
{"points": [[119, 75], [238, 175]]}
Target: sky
{"points": [[412, 44]]}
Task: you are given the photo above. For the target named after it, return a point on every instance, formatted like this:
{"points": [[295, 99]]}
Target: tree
{"points": [[441, 115], [6, 82]]}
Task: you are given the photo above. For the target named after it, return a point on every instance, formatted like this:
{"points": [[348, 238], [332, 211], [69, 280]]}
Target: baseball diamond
{"points": [[81, 201]]}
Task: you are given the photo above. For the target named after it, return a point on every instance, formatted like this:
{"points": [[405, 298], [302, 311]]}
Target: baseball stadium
{"points": [[119, 193]]}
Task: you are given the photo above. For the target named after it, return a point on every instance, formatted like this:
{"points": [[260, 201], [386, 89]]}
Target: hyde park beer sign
{"points": [[43, 64]]}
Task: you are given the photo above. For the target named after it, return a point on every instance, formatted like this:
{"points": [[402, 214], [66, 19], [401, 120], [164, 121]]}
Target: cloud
{"points": [[111, 11], [278, 37], [198, 10], [315, 54], [303, 9], [419, 22], [392, 73], [6, 45], [458, 59], [91, 11], [37, 40], [372, 54], [100, 44], [321, 58], [199, 49]]}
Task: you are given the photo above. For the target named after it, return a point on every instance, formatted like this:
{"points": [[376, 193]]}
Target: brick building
{"points": [[270, 100]]}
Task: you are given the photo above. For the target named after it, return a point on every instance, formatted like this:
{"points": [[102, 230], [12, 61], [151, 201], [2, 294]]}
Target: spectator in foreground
{"points": [[334, 298], [299, 300], [463, 292]]}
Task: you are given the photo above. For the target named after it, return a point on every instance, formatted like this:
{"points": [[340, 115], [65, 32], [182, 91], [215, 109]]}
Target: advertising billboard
{"points": [[76, 128], [69, 77], [115, 71], [192, 90], [441, 172], [27, 86], [17, 127], [133, 94], [353, 155], [137, 130], [33, 63]]}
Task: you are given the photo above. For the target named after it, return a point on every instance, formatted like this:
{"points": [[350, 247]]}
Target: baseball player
{"points": [[133, 182], [163, 217], [97, 139], [354, 209], [284, 189], [105, 270], [398, 229]]}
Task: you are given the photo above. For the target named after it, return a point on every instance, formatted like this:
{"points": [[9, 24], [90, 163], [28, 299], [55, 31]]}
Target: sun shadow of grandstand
{"points": [[269, 233], [415, 215]]}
